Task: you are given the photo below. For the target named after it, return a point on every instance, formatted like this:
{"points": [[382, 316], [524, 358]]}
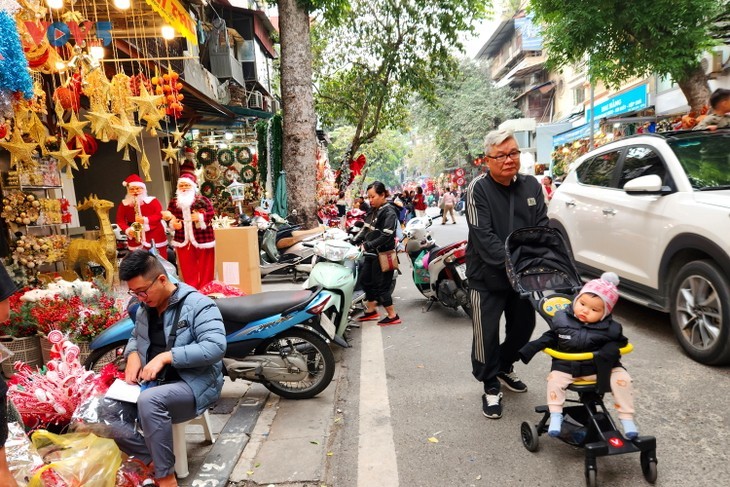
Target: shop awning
{"points": [[543, 88], [248, 112], [177, 16]]}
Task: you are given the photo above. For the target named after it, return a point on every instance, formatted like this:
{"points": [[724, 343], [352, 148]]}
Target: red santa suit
{"points": [[194, 242], [151, 210]]}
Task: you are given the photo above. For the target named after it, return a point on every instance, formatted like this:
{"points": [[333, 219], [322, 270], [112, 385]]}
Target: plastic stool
{"points": [[180, 444]]}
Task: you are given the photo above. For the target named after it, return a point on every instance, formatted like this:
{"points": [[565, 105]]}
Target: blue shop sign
{"points": [[628, 101]]}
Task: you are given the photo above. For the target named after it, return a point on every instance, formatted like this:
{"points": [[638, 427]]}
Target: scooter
{"points": [[275, 257], [439, 273], [274, 338], [336, 271]]}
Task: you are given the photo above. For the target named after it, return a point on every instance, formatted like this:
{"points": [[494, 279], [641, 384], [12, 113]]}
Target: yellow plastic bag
{"points": [[78, 459]]}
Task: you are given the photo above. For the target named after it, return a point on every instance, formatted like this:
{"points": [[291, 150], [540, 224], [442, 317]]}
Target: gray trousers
{"points": [[157, 409]]}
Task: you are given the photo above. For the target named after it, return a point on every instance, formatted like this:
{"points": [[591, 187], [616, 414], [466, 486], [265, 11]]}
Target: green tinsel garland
{"points": [[277, 139], [261, 146]]}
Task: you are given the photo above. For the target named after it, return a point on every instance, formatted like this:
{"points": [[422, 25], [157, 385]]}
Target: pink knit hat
{"points": [[606, 289]]}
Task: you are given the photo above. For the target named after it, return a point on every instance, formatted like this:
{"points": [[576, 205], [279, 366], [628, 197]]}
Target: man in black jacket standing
{"points": [[498, 202]]}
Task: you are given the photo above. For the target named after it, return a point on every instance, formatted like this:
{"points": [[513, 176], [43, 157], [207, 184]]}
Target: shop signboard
{"points": [[177, 16], [628, 101]]}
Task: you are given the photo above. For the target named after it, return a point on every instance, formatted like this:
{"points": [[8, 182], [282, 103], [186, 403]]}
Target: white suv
{"points": [[655, 209]]}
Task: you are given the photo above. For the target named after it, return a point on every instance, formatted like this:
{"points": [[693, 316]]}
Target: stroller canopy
{"points": [[537, 260]]}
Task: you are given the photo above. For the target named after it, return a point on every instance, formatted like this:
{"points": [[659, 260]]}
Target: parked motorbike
{"points": [[281, 249], [336, 271], [439, 273], [275, 338]]}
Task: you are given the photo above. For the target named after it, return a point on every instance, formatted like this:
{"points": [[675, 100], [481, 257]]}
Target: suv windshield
{"points": [[705, 158]]}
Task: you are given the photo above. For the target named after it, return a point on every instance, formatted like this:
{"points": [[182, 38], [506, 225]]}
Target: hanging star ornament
{"points": [[170, 153], [20, 150], [74, 127], [127, 135], [146, 103], [37, 131], [101, 124], [144, 165], [65, 157], [84, 159], [153, 122], [176, 136]]}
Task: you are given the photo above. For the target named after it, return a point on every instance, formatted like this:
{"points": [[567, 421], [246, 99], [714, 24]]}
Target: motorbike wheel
{"points": [[113, 352], [320, 361]]}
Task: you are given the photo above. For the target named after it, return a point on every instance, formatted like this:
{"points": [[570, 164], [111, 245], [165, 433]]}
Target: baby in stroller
{"points": [[587, 326]]}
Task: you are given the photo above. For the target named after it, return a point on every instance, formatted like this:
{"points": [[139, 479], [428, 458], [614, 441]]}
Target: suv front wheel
{"points": [[701, 312]]}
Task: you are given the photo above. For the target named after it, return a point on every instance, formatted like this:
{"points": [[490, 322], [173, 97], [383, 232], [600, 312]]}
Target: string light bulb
{"points": [[122, 4], [54, 4], [168, 33], [97, 52], [229, 136]]}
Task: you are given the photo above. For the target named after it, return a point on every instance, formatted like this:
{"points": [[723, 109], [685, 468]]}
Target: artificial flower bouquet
{"points": [[80, 309]]}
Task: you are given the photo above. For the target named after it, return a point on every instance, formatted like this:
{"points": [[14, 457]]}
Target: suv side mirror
{"points": [[650, 184]]}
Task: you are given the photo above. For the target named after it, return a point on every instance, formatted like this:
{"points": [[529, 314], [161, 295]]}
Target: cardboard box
{"points": [[237, 258]]}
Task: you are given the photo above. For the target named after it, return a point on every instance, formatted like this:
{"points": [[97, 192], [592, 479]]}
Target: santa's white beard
{"points": [[131, 200], [185, 198]]}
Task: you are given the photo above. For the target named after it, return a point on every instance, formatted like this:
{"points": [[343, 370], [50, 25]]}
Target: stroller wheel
{"points": [[591, 477], [529, 435], [648, 467]]}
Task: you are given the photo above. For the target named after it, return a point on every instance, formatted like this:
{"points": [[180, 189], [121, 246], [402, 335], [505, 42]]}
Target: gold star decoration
{"points": [[37, 131], [146, 103], [84, 159], [170, 153], [74, 128], [127, 136], [153, 122], [176, 136], [19, 149], [101, 124], [65, 157]]}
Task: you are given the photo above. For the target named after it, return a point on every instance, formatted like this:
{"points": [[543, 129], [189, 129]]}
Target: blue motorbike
{"points": [[275, 338]]}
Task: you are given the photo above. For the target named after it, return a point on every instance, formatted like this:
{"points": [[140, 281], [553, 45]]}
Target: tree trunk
{"points": [[696, 89], [300, 143]]}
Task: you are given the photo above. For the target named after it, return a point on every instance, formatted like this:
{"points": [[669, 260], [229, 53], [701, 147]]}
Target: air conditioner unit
{"points": [[712, 63], [275, 105], [256, 100]]}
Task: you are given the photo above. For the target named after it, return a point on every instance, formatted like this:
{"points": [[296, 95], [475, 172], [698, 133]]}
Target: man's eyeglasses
{"points": [[514, 155], [143, 293]]}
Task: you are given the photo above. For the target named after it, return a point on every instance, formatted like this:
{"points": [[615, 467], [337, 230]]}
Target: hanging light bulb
{"points": [[97, 52], [54, 4], [122, 4], [168, 33], [196, 133], [229, 136], [211, 139]]}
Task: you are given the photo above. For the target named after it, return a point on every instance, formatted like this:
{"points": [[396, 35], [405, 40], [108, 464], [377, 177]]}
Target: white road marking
{"points": [[376, 463]]}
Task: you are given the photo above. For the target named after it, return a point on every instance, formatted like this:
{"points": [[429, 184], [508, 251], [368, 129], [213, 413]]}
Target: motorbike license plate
{"points": [[327, 325], [461, 270]]}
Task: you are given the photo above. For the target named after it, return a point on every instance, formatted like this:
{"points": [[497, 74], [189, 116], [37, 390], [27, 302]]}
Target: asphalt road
{"points": [[439, 436]]}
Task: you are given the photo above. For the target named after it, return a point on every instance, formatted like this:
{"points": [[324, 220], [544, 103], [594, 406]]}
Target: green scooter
{"points": [[336, 271]]}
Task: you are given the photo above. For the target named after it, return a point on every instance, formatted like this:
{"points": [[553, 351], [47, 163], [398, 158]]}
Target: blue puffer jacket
{"points": [[199, 346]]}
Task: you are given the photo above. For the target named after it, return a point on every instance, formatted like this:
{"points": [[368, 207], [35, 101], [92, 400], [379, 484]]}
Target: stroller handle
{"points": [[582, 356]]}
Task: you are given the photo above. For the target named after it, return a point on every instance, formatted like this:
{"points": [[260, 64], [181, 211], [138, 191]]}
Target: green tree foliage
{"points": [[370, 63], [384, 155], [462, 112], [622, 39]]}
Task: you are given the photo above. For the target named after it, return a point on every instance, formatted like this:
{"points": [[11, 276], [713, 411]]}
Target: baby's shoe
{"points": [[556, 422], [630, 430]]}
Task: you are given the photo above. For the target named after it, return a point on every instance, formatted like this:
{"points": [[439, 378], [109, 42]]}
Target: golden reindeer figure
{"points": [[103, 250]]}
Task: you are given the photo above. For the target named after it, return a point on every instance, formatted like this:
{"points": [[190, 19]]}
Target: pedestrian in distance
{"points": [[498, 202], [449, 202], [548, 188], [378, 235], [419, 202], [175, 353], [720, 115], [587, 326]]}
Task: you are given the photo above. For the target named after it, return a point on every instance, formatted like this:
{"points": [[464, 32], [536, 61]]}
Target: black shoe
{"points": [[511, 381], [387, 321], [492, 404]]}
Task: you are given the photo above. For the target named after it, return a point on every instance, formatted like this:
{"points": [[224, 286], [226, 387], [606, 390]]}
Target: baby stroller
{"points": [[541, 269]]}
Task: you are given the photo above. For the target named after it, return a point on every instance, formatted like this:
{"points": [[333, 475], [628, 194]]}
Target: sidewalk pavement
{"points": [[260, 438]]}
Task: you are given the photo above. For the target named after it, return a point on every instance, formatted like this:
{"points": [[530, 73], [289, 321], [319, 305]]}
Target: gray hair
{"points": [[496, 137]]}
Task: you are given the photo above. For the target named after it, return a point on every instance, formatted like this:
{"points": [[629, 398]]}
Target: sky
{"points": [[473, 44]]}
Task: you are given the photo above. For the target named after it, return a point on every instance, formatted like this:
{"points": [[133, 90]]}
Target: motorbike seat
{"points": [[241, 310]]}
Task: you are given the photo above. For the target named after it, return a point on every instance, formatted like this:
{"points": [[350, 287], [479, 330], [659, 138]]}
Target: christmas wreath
{"points": [[205, 155], [207, 189], [243, 155], [248, 174], [225, 157]]}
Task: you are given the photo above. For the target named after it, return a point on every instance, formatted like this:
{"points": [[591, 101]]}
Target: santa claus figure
{"points": [[190, 215], [140, 217]]}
